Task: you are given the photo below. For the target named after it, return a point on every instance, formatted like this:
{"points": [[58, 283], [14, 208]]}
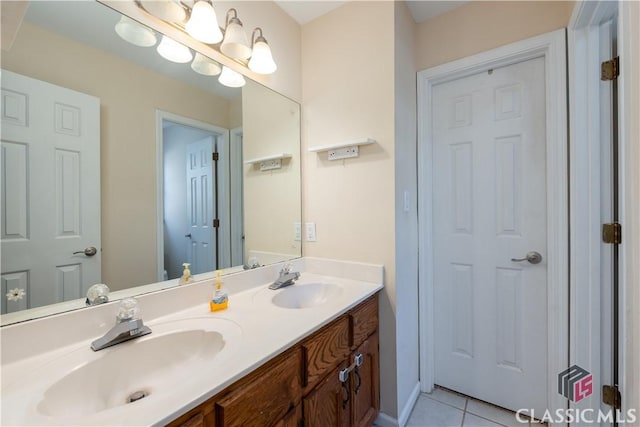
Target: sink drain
{"points": [[137, 395]]}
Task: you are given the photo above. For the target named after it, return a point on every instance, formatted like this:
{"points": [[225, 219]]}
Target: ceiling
{"points": [[304, 11]]}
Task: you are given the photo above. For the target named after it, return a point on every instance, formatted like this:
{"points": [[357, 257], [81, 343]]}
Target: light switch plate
{"points": [[297, 231], [310, 228]]}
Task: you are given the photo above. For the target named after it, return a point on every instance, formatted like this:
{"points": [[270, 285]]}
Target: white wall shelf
{"points": [[343, 150], [354, 142], [266, 163]]}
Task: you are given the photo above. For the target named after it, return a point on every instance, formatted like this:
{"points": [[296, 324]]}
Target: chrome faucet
{"points": [[286, 278], [128, 326]]}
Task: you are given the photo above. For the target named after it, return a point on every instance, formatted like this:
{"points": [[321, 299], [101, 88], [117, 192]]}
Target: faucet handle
{"points": [[128, 310], [97, 294], [286, 269]]}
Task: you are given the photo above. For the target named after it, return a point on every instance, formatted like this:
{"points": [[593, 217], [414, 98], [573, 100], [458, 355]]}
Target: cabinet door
{"points": [[364, 320], [365, 383], [324, 351], [292, 419], [201, 416], [329, 404], [264, 396]]}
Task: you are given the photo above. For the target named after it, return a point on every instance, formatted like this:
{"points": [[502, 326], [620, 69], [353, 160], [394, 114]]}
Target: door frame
{"points": [[551, 46], [590, 119], [585, 104], [223, 192]]}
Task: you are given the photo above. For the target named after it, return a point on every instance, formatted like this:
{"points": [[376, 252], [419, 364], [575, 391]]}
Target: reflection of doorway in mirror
{"points": [[237, 202], [51, 250], [195, 212]]}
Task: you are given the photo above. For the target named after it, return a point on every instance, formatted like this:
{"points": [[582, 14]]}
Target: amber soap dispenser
{"points": [[220, 300]]}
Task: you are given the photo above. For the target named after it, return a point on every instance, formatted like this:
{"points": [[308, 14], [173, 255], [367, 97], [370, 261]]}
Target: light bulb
{"points": [[235, 44], [203, 23], [167, 10], [231, 78], [173, 51], [135, 33], [205, 66], [261, 60]]}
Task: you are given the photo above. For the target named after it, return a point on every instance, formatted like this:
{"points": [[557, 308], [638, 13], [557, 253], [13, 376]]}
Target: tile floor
{"points": [[444, 408]]}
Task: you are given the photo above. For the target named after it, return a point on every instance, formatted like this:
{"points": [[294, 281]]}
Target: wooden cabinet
{"points": [[292, 419], [303, 385], [263, 397], [324, 351], [329, 403], [353, 398], [365, 383]]}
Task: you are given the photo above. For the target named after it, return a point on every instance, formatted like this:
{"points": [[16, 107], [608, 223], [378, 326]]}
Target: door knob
{"points": [[533, 257], [90, 251], [188, 235]]}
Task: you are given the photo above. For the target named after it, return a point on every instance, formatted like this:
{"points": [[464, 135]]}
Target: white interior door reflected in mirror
{"points": [[51, 192], [201, 207]]}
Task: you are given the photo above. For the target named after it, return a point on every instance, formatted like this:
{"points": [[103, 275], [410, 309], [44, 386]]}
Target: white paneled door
{"points": [[489, 209], [50, 173], [201, 248]]}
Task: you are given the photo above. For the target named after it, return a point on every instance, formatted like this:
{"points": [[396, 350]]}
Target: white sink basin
{"points": [[306, 295], [84, 383]]}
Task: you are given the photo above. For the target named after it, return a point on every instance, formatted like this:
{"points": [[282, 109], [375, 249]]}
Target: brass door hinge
{"points": [[215, 156], [612, 233], [216, 223], [611, 396], [610, 69]]}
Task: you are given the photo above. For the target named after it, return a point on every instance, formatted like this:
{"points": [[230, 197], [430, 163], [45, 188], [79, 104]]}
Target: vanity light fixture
{"points": [[205, 66], [203, 23], [173, 51], [235, 44], [135, 33], [261, 60], [231, 78]]}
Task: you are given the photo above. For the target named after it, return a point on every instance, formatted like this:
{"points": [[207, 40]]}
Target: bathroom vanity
{"points": [[304, 353], [330, 378]]}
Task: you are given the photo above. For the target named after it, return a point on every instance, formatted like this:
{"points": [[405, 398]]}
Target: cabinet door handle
{"points": [[347, 392], [358, 380], [358, 360]]}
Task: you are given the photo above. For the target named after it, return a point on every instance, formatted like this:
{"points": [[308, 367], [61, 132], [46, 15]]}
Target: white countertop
{"points": [[257, 331]]}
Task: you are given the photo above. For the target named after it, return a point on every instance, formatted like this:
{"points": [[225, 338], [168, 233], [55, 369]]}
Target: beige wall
{"points": [[347, 93], [129, 96], [406, 226], [483, 25], [271, 198]]}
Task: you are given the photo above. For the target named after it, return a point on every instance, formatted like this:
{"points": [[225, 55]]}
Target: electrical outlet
{"points": [[297, 231], [268, 165], [310, 228], [343, 153]]}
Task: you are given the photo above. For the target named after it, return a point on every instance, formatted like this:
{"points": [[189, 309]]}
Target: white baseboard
{"points": [[408, 407], [385, 420]]}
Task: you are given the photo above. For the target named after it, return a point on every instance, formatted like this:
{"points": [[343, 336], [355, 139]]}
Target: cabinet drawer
{"points": [[325, 350], [364, 320], [263, 397]]}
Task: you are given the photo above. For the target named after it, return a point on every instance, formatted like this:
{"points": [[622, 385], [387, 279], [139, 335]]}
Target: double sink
{"points": [[83, 383]]}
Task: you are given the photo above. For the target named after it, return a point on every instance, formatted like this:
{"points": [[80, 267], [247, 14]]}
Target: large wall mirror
{"points": [[107, 145]]}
